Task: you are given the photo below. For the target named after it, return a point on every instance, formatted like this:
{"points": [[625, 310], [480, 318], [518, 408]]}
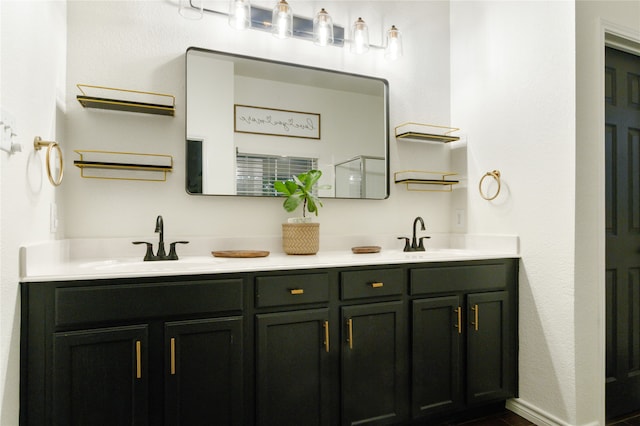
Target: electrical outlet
{"points": [[459, 220], [53, 218]]}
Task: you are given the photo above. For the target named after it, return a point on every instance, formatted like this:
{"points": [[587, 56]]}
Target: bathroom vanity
{"points": [[275, 341]]}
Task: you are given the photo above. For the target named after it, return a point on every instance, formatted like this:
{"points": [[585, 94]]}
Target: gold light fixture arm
{"points": [[38, 144]]}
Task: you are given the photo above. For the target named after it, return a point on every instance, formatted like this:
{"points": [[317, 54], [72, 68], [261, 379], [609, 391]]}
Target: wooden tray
{"points": [[366, 249], [240, 253]]}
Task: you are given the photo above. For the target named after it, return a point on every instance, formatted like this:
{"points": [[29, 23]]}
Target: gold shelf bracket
{"points": [[442, 180], [426, 132], [124, 165], [111, 98]]}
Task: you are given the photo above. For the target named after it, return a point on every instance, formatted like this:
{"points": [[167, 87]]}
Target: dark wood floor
{"points": [[501, 418], [629, 419], [506, 417]]}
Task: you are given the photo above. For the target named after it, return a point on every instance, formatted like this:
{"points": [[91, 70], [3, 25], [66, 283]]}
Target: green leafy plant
{"points": [[299, 190]]}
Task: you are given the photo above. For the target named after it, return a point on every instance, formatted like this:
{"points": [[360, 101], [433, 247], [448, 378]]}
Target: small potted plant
{"points": [[300, 235]]}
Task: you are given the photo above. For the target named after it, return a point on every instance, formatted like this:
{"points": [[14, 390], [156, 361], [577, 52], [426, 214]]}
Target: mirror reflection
{"points": [[252, 121]]}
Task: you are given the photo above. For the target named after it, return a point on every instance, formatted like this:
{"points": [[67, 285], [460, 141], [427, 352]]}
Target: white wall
{"points": [[538, 81], [32, 86], [141, 45], [513, 77], [513, 65], [211, 93]]}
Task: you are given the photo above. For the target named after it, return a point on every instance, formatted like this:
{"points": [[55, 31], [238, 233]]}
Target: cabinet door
{"points": [[100, 377], [488, 347], [436, 337], [203, 376], [293, 371], [373, 364]]}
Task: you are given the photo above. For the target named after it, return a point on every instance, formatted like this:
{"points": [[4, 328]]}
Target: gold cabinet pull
{"points": [[173, 356], [459, 324], [350, 330], [326, 335], [377, 285], [138, 359], [475, 310], [297, 291]]}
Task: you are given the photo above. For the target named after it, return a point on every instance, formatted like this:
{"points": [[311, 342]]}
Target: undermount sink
{"points": [[129, 265]]}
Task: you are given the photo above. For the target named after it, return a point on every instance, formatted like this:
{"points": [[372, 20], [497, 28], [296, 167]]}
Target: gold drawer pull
{"points": [[173, 356], [138, 360], [350, 330], [475, 323], [297, 291], [377, 285], [459, 324], [326, 335]]}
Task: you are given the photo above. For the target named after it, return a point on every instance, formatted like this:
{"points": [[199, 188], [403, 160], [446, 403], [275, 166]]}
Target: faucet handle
{"points": [[149, 254], [407, 246], [421, 244], [172, 250]]}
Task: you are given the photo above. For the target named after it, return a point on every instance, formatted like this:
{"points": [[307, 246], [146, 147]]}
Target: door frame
{"points": [[621, 38]]}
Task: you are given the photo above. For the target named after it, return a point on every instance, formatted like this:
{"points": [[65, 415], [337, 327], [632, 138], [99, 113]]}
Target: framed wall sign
{"points": [[276, 122]]}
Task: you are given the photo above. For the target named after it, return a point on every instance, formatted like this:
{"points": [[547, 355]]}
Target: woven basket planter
{"points": [[301, 238]]}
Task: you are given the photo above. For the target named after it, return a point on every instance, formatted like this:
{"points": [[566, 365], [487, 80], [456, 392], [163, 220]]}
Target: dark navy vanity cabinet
{"points": [[380, 344]]}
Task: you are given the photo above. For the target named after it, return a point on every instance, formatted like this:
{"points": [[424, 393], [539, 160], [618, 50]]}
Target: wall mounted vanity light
{"points": [[323, 28], [240, 14], [282, 23], [360, 37], [394, 44], [282, 20]]}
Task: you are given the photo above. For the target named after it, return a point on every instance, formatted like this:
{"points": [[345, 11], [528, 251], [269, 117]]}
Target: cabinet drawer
{"points": [[371, 283], [458, 278], [79, 305], [292, 289]]}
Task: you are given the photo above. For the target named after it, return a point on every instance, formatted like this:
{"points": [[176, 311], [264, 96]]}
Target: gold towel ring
{"points": [[496, 176], [38, 143]]}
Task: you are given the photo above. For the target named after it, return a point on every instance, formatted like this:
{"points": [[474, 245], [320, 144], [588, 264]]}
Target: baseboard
{"points": [[536, 415]]}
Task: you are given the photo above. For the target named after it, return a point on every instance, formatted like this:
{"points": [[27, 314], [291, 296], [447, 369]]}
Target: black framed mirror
{"points": [[250, 121]]}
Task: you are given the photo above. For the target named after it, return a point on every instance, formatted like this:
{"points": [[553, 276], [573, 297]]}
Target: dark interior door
{"points": [[622, 146]]}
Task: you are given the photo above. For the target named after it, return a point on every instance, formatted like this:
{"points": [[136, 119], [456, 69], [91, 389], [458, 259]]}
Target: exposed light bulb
{"points": [[240, 14], [394, 44], [323, 29], [360, 36], [282, 20]]}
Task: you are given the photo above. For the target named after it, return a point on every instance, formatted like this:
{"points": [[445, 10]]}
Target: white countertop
{"points": [[100, 259]]}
